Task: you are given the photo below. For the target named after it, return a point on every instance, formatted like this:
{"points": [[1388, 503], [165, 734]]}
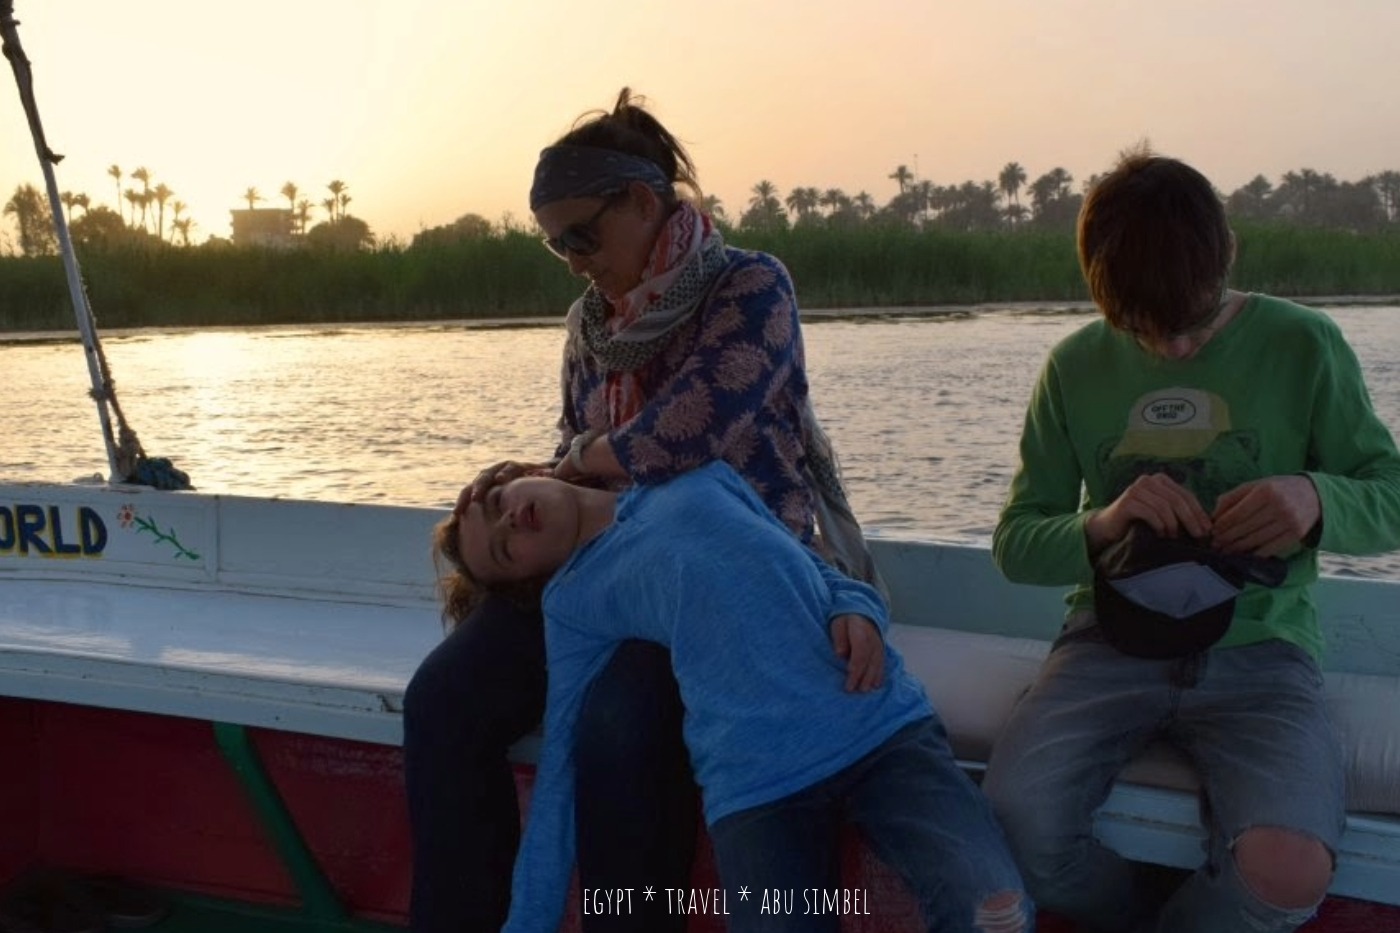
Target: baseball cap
{"points": [[1157, 597]]}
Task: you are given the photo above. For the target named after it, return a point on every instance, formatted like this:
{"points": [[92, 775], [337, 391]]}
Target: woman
{"points": [[783, 753], [681, 351]]}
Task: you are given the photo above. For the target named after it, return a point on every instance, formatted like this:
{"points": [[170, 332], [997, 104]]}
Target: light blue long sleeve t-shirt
{"points": [[701, 565]]}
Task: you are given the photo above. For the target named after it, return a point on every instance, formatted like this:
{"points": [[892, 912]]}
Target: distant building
{"points": [[268, 227]]}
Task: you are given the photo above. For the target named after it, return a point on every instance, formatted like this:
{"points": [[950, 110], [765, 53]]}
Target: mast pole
{"points": [[101, 387]]}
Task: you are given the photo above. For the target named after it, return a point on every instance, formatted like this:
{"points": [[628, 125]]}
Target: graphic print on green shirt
{"points": [[1186, 434]]}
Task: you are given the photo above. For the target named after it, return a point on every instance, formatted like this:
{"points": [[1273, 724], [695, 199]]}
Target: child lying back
{"points": [[785, 743]]}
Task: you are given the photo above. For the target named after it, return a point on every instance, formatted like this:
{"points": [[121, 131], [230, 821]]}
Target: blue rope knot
{"points": [[160, 473]]}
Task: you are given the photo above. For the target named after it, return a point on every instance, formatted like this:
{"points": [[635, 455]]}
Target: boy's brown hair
{"points": [[1154, 246]]}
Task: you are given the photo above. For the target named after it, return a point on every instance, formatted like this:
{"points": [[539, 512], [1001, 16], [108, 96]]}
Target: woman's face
{"points": [[519, 531], [606, 240]]}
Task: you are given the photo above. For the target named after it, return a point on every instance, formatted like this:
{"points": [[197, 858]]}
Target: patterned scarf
{"points": [[841, 535], [685, 262]]}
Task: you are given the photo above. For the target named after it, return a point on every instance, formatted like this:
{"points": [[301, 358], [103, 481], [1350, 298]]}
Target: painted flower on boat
{"points": [[163, 537], [127, 518]]}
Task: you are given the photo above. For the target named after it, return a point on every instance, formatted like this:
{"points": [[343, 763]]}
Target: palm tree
{"points": [[834, 199], [802, 201], [289, 191], [252, 197], [1050, 187], [81, 200], [764, 193], [36, 235], [338, 198], [1053, 203], [116, 172], [1299, 190], [925, 197], [66, 198], [1012, 177], [1388, 187], [765, 210], [1352, 205], [303, 215], [177, 207], [712, 206], [1258, 188], [133, 198], [329, 205], [979, 201], [182, 227], [902, 177], [143, 175], [162, 194], [864, 205]]}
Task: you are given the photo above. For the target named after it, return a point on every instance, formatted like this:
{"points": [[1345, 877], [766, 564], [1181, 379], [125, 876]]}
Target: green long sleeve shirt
{"points": [[1277, 391]]}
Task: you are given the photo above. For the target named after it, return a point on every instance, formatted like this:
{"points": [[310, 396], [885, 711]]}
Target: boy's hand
{"points": [[858, 641], [1155, 498], [1268, 517]]}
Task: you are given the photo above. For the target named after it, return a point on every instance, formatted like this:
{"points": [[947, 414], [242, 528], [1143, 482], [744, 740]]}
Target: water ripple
{"points": [[926, 412]]}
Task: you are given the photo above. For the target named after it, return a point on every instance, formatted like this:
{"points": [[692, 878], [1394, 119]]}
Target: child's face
{"points": [[1187, 343], [520, 531], [1172, 348]]}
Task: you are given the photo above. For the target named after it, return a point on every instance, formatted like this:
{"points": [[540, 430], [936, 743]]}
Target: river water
{"points": [[925, 410]]}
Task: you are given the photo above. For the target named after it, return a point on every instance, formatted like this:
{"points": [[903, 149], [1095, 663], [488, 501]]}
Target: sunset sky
{"points": [[428, 109]]}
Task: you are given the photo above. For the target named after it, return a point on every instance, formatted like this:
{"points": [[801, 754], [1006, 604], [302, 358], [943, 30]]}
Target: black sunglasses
{"points": [[581, 239]]}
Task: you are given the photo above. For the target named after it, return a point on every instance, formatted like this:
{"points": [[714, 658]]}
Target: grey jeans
{"points": [[1251, 719]]}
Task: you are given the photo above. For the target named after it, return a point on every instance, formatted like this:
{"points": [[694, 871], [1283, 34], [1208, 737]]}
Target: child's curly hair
{"points": [[459, 591]]}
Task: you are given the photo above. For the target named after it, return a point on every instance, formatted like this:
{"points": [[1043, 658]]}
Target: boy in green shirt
{"points": [[1241, 422]]}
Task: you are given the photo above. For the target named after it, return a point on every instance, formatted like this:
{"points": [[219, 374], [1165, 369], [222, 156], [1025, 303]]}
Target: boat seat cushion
{"points": [[316, 666], [975, 679], [340, 668]]}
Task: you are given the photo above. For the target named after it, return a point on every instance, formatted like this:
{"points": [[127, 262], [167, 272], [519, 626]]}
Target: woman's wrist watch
{"points": [[576, 446]]}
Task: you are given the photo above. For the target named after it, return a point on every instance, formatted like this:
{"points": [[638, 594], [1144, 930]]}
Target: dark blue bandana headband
{"points": [[588, 172]]}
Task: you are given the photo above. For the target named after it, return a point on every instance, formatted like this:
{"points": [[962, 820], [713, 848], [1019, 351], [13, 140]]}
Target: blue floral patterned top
{"points": [[730, 386]]}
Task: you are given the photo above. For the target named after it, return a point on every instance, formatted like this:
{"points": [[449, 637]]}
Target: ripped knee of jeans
{"points": [[1284, 868], [1003, 912]]}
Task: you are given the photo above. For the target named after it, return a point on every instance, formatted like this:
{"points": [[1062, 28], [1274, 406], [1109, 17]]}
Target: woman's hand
{"points": [[498, 474], [571, 466], [595, 452], [858, 641], [1157, 499]]}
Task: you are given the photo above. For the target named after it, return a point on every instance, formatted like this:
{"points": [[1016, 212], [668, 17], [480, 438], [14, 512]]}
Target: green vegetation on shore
{"points": [[502, 274]]}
